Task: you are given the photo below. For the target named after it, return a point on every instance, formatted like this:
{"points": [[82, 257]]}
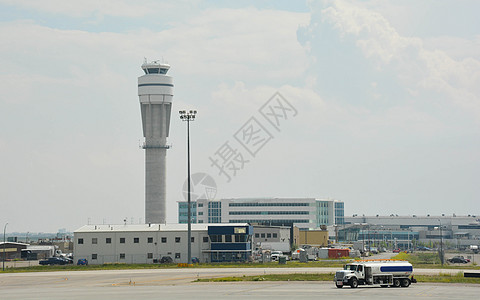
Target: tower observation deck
{"points": [[155, 91]]}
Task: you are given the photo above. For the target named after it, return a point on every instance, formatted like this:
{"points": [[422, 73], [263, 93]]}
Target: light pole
{"points": [[391, 238], [441, 242], [188, 116], [4, 257]]}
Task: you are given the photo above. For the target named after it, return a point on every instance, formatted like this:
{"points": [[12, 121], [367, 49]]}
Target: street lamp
{"points": [[188, 116], [441, 242], [4, 244]]}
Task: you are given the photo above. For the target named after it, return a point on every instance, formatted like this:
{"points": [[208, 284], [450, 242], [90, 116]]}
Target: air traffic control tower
{"points": [[155, 90]]}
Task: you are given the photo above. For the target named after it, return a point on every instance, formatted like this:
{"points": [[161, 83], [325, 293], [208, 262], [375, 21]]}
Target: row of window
{"points": [[155, 71], [185, 205], [227, 238], [269, 221], [192, 205], [214, 204], [185, 214], [267, 235], [214, 219], [214, 212], [401, 236], [136, 240], [267, 204], [122, 256], [269, 213], [229, 256]]}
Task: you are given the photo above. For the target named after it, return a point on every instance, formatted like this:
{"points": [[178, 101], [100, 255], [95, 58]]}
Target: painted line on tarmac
{"points": [[144, 282]]}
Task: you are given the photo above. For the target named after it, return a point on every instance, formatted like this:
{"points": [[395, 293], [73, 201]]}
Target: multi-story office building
{"points": [[302, 212]]}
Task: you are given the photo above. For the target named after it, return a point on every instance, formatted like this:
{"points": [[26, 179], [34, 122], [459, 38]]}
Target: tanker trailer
{"points": [[369, 272]]}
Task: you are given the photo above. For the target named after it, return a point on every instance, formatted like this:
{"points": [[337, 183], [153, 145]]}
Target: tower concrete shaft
{"points": [[155, 90]]}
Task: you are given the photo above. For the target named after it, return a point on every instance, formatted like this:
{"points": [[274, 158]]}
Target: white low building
{"points": [[271, 238], [142, 243]]}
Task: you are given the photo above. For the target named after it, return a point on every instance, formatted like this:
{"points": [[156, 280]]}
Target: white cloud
{"points": [[455, 47], [223, 43], [72, 97], [75, 92], [239, 43], [416, 67], [86, 8]]}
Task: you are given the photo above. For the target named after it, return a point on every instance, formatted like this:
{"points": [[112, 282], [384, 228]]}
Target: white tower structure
{"points": [[155, 90]]}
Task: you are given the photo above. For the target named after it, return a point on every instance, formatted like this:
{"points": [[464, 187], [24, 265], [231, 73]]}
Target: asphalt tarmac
{"points": [[179, 284]]}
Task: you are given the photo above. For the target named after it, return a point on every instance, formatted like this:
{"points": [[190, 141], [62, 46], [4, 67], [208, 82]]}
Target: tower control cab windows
{"points": [[162, 71]]}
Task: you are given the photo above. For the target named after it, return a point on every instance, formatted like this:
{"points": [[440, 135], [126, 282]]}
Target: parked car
{"points": [[275, 255], [166, 260], [423, 248], [53, 261], [82, 262], [458, 260], [68, 259], [396, 250]]}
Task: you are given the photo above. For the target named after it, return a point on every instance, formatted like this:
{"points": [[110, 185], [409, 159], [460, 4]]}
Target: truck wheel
{"points": [[396, 282], [405, 282], [353, 283], [339, 286]]}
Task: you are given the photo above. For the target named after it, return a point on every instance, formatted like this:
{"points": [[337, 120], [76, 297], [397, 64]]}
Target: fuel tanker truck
{"points": [[386, 273]]}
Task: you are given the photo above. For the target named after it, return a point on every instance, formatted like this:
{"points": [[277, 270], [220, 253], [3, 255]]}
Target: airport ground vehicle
{"points": [[458, 260], [275, 255], [166, 260], [369, 272], [82, 262], [421, 248], [54, 261]]}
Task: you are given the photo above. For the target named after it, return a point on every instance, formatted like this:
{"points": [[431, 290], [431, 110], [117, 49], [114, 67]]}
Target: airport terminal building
{"points": [[405, 231], [305, 213]]}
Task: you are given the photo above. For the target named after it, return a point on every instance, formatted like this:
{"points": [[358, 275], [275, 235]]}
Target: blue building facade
{"points": [[183, 212], [339, 213], [230, 243]]}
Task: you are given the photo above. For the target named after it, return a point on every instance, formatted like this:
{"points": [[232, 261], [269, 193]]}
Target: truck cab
{"points": [[351, 273]]}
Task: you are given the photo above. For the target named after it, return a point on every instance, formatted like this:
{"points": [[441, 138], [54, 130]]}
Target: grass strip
{"points": [[120, 266], [431, 260], [418, 261]]}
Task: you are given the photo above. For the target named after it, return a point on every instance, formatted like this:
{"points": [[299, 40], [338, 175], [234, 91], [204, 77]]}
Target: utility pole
{"points": [[441, 242], [4, 245]]}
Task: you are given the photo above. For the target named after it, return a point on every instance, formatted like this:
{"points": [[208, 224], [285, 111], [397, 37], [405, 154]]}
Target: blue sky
{"points": [[386, 94]]}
